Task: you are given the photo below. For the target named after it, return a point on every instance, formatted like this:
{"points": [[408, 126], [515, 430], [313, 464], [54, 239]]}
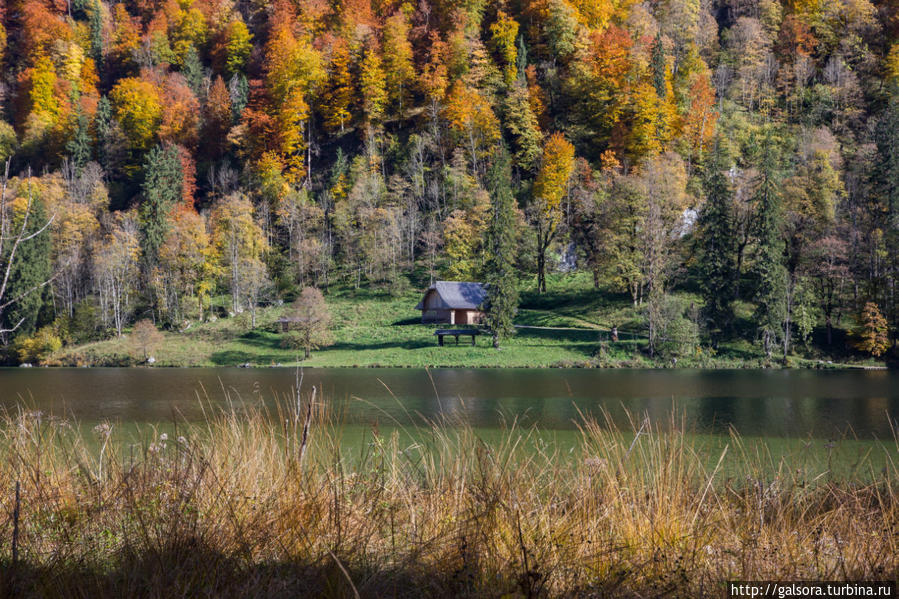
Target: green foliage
{"points": [[8, 142], [240, 93], [96, 32], [499, 270], [769, 269], [79, 147], [193, 71], [31, 268], [716, 260], [678, 333], [161, 190], [659, 67]]}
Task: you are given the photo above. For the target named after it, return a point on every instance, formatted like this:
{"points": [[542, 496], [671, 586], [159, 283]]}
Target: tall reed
{"points": [[239, 505]]}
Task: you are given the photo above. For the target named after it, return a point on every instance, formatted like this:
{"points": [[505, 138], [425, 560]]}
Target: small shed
{"points": [[453, 302]]}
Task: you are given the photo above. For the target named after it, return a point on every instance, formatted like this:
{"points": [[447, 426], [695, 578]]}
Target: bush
{"points": [[36, 348], [678, 334]]}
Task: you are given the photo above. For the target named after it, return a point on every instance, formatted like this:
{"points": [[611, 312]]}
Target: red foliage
{"points": [[188, 178], [795, 38]]}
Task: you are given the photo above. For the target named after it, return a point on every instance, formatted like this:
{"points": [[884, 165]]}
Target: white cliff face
{"points": [[687, 222]]}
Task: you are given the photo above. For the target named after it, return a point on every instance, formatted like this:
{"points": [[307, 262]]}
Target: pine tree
{"points": [[522, 59], [239, 88], [30, 270], [161, 191], [79, 147], [769, 267], [717, 263], [96, 31], [502, 293], [193, 71], [657, 64]]}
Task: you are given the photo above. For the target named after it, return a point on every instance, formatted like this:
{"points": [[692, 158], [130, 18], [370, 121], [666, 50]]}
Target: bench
{"points": [[441, 333]]}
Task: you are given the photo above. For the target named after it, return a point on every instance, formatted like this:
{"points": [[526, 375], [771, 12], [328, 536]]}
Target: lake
{"points": [[776, 403]]}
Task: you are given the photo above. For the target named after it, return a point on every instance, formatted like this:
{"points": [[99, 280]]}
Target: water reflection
{"points": [[826, 404]]}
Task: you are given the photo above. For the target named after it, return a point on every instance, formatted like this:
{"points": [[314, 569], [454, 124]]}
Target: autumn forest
{"points": [[165, 158]]}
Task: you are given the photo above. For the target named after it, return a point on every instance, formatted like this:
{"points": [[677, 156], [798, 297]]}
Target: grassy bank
{"points": [[568, 326], [241, 506]]}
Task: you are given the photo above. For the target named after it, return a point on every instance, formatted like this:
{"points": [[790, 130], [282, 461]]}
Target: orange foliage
{"points": [[180, 112]]}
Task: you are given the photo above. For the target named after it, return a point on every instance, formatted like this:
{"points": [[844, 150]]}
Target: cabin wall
{"points": [[432, 301], [436, 316], [468, 316]]}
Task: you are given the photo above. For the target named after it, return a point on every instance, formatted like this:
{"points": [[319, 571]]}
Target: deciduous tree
{"points": [[550, 186], [309, 322]]}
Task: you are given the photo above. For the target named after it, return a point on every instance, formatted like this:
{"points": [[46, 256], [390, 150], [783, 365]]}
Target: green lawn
{"points": [[374, 328]]}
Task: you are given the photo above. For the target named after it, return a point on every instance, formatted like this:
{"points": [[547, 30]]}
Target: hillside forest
{"points": [[175, 159]]}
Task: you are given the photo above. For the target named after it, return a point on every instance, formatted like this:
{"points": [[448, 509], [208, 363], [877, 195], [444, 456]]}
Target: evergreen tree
{"points": [[96, 30], [522, 59], [161, 190], [30, 271], [886, 192], [717, 262], [502, 292], [239, 88], [79, 147], [769, 268], [194, 72], [657, 64]]}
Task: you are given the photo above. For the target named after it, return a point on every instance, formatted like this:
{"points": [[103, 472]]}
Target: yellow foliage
{"points": [[37, 347], [892, 63], [373, 87], [504, 33], [292, 117], [42, 96], [470, 115], [551, 184], [138, 108], [238, 45]]}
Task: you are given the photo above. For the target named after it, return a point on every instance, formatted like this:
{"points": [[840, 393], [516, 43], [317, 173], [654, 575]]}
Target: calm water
{"points": [[824, 404]]}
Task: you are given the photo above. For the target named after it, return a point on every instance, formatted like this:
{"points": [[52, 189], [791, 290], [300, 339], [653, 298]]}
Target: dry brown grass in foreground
{"points": [[230, 508]]}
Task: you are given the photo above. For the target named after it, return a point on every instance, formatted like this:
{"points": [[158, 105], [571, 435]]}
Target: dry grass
{"points": [[232, 507]]}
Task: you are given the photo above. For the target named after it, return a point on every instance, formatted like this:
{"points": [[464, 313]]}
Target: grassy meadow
{"points": [[568, 326], [277, 503]]}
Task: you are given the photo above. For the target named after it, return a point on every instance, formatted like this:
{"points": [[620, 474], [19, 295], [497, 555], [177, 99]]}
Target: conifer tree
{"points": [[96, 33], [193, 71], [769, 268], [161, 191], [657, 64], [502, 293], [30, 271], [717, 264], [79, 147]]}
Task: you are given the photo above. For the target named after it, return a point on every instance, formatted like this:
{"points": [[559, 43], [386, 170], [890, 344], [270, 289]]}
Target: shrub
{"points": [[36, 348], [872, 333]]}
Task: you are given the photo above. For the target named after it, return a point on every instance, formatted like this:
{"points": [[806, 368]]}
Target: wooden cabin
{"points": [[453, 302]]}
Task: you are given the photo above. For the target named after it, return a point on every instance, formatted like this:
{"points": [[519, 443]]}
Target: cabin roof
{"points": [[457, 295]]}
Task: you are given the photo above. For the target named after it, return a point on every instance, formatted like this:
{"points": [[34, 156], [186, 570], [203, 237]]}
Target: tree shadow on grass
{"points": [[237, 357], [384, 345], [565, 336]]}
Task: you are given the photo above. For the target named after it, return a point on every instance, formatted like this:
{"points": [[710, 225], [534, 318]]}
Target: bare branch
{"points": [[13, 330], [17, 239]]}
